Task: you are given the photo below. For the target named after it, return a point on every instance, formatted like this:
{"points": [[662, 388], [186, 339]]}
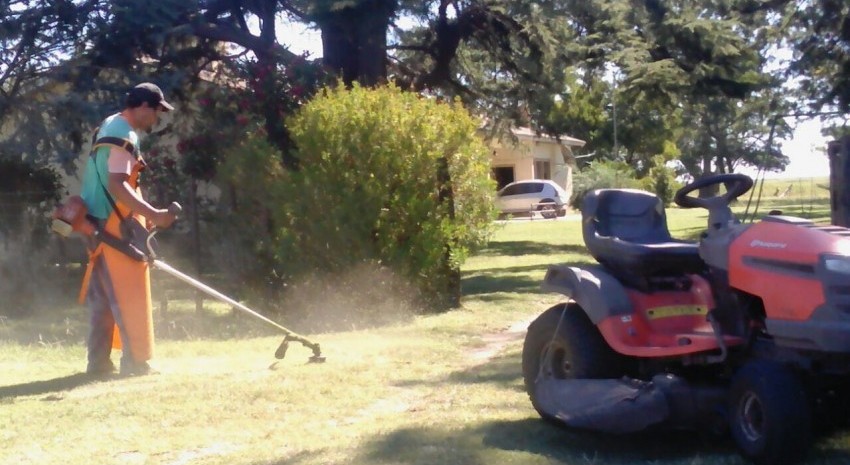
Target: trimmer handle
{"points": [[175, 209]]}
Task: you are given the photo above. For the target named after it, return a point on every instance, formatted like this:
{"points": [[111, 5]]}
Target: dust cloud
{"points": [[365, 296]]}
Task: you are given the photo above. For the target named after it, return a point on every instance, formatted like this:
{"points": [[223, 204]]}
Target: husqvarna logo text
{"points": [[767, 245]]}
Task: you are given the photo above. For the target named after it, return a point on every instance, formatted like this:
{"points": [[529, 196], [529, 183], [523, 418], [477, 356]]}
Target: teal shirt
{"points": [[96, 174]]}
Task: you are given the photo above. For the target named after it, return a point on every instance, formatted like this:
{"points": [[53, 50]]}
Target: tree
{"points": [[354, 37], [36, 39], [706, 63], [677, 74], [819, 33]]}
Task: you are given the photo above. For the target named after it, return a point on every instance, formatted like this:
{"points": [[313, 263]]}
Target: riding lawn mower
{"points": [[746, 330]]}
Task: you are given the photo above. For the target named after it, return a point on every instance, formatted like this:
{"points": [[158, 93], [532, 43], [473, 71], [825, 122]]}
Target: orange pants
{"points": [[118, 293]]}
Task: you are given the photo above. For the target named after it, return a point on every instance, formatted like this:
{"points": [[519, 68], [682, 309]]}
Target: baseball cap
{"points": [[151, 93]]}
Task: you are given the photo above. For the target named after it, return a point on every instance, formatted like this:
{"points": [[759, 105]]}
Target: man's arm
{"points": [[122, 191]]}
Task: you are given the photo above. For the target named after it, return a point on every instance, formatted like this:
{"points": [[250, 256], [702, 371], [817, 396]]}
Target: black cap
{"points": [[151, 93]]}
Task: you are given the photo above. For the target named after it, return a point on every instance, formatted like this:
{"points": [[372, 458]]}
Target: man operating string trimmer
{"points": [[118, 225], [116, 287]]}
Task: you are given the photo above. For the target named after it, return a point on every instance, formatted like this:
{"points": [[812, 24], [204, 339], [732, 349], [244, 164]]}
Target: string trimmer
{"points": [[71, 217], [289, 335]]}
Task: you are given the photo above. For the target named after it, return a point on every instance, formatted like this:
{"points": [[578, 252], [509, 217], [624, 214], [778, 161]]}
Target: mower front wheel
{"points": [[769, 414], [562, 343]]}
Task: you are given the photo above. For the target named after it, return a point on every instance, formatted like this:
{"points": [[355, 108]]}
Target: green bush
{"points": [[244, 237], [661, 180], [386, 177], [604, 174]]}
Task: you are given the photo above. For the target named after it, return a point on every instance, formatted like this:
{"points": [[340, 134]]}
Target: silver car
{"points": [[525, 197]]}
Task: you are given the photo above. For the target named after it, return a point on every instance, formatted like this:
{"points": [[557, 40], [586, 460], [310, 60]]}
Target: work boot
{"points": [[136, 369], [102, 369]]}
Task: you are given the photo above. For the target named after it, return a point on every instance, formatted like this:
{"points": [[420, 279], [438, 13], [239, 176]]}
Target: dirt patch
{"points": [[496, 342], [407, 400]]}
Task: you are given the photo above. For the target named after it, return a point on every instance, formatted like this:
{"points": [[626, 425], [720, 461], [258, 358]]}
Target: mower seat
{"points": [[626, 231]]}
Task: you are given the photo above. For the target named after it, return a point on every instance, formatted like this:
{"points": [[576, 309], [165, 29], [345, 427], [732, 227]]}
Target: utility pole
{"points": [[614, 107]]}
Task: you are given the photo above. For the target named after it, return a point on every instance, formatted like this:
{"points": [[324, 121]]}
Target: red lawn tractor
{"points": [[749, 328]]}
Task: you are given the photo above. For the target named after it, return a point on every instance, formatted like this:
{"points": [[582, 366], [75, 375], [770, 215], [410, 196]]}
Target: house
{"points": [[534, 156]]}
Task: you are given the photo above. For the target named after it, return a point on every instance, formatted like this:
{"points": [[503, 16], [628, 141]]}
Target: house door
{"points": [[503, 175]]}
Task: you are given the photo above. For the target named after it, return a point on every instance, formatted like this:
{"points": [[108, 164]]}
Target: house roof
{"points": [[528, 133]]}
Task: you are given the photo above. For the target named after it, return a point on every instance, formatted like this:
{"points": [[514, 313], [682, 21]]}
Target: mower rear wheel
{"points": [[769, 415], [568, 348]]}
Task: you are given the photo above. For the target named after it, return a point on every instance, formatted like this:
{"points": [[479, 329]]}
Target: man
{"points": [[117, 287]]}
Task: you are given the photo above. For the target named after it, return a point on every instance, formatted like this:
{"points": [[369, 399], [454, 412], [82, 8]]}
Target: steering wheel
{"points": [[736, 185]]}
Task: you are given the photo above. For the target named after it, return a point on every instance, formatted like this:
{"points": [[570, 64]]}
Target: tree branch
{"points": [[414, 48], [292, 9], [244, 39]]}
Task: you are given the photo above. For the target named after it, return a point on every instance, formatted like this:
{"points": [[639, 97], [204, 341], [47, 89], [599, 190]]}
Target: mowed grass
{"points": [[433, 389]]}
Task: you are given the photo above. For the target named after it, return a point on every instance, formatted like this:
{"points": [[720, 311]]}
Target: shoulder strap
{"points": [[96, 143], [117, 142]]}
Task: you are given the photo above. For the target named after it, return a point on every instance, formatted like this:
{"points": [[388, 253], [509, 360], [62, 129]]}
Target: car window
{"points": [[522, 188], [533, 187], [513, 189]]}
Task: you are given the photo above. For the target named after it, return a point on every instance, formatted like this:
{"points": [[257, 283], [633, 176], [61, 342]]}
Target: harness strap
{"points": [[117, 142], [93, 254]]}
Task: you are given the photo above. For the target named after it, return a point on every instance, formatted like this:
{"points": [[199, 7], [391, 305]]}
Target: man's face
{"points": [[148, 116]]}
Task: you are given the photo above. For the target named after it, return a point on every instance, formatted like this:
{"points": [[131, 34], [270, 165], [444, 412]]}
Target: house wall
{"points": [[523, 155]]}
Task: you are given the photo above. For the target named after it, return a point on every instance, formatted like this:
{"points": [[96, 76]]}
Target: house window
{"points": [[542, 169]]}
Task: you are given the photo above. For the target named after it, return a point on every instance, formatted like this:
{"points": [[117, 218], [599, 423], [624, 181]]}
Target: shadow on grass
{"points": [[504, 370], [518, 248], [534, 440], [489, 283], [305, 456], [537, 441], [36, 388], [508, 279]]}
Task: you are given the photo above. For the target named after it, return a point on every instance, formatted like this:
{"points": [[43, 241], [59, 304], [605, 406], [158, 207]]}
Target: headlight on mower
{"points": [[837, 264]]}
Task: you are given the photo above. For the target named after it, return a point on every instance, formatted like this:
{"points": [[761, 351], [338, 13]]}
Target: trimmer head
{"points": [[317, 356], [281, 349]]}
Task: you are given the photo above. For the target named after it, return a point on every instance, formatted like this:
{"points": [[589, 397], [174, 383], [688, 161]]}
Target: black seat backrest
{"points": [[626, 214]]}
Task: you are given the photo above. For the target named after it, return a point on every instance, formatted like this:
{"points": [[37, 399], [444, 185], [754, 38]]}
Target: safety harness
{"points": [[101, 236]]}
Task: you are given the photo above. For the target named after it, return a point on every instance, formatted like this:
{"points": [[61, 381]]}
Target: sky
{"points": [[807, 151], [806, 148]]}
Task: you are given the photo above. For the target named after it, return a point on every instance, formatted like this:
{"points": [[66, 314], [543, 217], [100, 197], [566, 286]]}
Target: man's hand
{"points": [[162, 218]]}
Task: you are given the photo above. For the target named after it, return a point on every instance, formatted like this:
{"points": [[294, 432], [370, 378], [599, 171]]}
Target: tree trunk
{"points": [[450, 272], [354, 41], [709, 191], [839, 181]]}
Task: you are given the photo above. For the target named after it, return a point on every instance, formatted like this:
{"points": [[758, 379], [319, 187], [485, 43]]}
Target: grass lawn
{"points": [[435, 389]]}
